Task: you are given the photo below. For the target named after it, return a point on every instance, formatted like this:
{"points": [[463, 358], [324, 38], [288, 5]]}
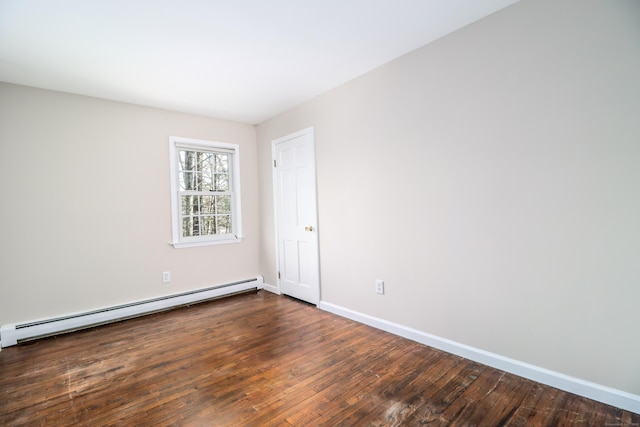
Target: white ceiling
{"points": [[244, 60]]}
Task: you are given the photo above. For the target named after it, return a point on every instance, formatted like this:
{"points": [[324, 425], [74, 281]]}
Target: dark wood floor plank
{"points": [[431, 366], [500, 404], [445, 390], [464, 406], [527, 411], [346, 402], [326, 372], [258, 360]]}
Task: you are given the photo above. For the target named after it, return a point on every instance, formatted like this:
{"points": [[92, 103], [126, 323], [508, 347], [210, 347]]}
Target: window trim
{"points": [[175, 143]]}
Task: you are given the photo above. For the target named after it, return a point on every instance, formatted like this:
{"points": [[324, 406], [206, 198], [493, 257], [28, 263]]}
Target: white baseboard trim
{"points": [[12, 334], [271, 288], [600, 393]]}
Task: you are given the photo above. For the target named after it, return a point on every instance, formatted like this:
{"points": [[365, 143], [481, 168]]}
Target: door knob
{"points": [[308, 228]]}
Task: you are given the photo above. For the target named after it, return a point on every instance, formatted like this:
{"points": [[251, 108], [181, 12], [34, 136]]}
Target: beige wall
{"points": [[86, 205], [492, 179]]}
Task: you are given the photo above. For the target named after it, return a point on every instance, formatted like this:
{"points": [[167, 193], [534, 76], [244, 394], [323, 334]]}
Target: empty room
{"points": [[304, 212]]}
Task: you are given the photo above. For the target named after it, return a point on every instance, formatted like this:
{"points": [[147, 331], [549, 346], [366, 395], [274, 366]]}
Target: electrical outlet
{"points": [[380, 287], [166, 276]]}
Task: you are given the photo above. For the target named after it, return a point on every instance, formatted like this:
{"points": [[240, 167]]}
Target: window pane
{"points": [[206, 172], [207, 183], [222, 182], [189, 169], [189, 205], [224, 224], [186, 160], [222, 163], [207, 225], [223, 204], [190, 226], [207, 204], [187, 181], [207, 161]]}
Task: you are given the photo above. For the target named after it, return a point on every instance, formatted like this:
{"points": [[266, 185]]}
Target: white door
{"points": [[296, 216]]}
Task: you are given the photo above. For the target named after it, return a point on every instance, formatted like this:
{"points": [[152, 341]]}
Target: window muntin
{"points": [[205, 192]]}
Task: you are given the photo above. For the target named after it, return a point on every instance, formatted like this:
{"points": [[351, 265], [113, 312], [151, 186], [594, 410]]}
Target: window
{"points": [[205, 192]]}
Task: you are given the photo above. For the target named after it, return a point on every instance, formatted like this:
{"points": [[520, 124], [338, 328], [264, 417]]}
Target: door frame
{"points": [[274, 143]]}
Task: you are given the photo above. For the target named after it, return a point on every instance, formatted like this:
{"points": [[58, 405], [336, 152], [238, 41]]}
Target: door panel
{"points": [[290, 261], [305, 253]]}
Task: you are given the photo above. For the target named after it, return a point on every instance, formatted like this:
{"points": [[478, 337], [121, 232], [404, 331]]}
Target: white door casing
{"points": [[296, 216]]}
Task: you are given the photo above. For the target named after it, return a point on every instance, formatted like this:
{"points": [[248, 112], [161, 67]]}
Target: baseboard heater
{"points": [[20, 332]]}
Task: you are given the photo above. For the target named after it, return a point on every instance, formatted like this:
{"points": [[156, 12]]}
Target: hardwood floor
{"points": [[260, 359]]}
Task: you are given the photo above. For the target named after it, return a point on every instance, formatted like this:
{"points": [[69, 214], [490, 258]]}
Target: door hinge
{"points": [[275, 165], [278, 274]]}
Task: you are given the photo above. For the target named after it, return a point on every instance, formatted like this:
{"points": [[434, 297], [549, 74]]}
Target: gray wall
{"points": [[492, 179]]}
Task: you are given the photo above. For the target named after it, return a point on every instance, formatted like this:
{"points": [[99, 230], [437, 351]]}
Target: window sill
{"points": [[179, 245]]}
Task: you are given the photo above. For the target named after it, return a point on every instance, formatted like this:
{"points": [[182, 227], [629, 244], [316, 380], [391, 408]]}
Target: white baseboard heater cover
{"points": [[19, 332]]}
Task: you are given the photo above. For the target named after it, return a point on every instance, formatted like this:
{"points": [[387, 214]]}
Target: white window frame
{"points": [[178, 241]]}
